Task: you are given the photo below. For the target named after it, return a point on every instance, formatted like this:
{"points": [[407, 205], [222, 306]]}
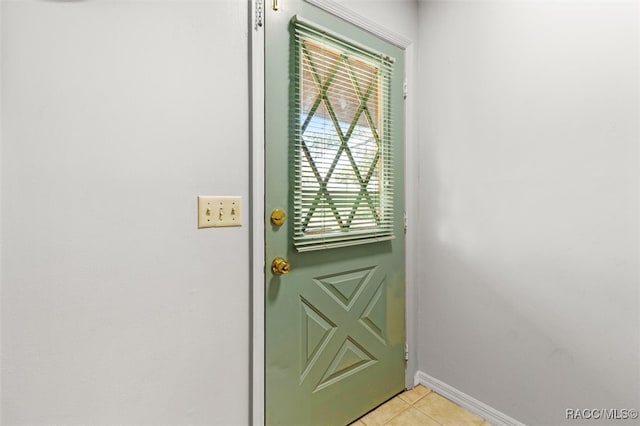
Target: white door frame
{"points": [[257, 231]]}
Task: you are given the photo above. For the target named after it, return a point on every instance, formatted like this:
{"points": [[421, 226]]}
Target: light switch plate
{"points": [[217, 212]]}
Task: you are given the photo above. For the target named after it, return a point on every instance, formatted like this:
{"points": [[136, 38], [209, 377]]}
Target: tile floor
{"points": [[420, 406]]}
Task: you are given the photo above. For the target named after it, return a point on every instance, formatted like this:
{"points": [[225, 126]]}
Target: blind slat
{"points": [[343, 164]]}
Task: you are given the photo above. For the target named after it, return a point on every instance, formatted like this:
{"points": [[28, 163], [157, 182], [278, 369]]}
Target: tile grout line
{"points": [[437, 394], [408, 407], [415, 408], [426, 413], [429, 391], [412, 405]]}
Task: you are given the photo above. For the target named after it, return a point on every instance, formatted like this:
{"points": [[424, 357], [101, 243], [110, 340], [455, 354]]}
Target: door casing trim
{"points": [[358, 20], [257, 180], [257, 232]]}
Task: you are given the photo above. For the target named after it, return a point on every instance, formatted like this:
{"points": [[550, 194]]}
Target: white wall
{"points": [[529, 204], [115, 308]]}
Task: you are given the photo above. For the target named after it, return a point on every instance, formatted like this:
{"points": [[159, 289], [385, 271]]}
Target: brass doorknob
{"points": [[278, 216], [280, 266]]}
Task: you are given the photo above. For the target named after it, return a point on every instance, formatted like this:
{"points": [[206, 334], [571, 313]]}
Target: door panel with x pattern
{"points": [[338, 344]]}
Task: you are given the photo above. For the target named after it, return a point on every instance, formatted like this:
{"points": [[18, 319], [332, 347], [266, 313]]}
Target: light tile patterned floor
{"points": [[420, 406]]}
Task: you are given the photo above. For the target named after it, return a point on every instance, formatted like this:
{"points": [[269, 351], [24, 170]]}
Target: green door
{"points": [[335, 282]]}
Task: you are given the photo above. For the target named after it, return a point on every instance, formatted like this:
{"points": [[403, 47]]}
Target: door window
{"points": [[343, 191]]}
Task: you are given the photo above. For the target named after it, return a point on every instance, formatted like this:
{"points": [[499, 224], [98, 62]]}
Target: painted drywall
{"points": [[529, 186], [115, 308], [399, 16]]}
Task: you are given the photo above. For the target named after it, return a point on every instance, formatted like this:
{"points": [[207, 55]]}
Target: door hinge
{"points": [[405, 90], [406, 223], [258, 7], [406, 352]]}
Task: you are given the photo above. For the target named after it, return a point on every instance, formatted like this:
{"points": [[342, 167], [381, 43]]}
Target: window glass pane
{"points": [[342, 188]]}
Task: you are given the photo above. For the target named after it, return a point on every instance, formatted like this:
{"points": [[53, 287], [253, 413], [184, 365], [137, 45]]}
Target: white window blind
{"points": [[343, 191]]}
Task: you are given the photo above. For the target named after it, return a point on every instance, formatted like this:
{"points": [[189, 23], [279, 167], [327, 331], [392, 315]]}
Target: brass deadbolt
{"points": [[279, 266], [278, 216]]}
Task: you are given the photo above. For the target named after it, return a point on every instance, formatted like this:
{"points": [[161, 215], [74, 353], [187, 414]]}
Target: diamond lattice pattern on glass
{"points": [[343, 191]]}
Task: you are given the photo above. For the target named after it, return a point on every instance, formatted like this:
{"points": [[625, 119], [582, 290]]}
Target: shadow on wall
{"points": [[508, 313]]}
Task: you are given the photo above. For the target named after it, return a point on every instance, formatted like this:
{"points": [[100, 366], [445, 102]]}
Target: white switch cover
{"points": [[216, 212]]}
